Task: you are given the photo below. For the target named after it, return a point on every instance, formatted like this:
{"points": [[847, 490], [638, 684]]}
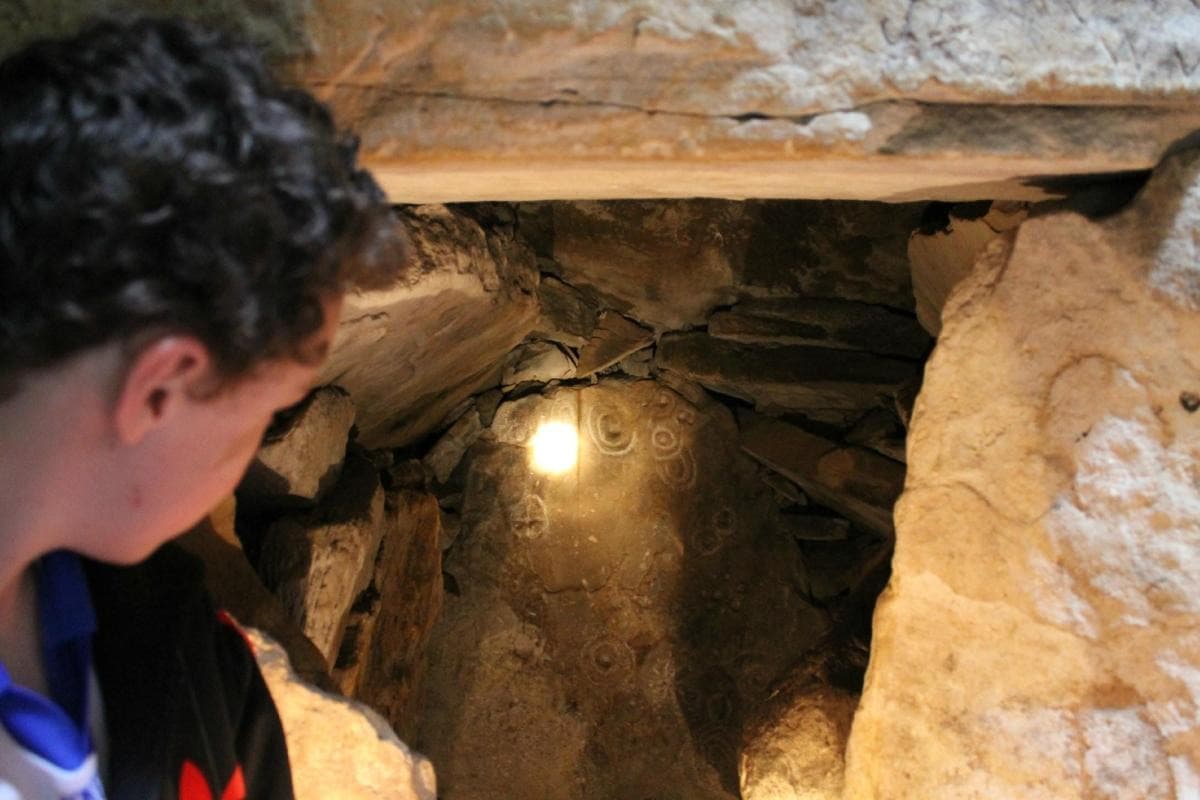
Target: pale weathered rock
{"points": [[940, 259], [613, 626], [337, 747], [444, 456], [856, 482], [795, 744], [1041, 634], [824, 322], [613, 339], [708, 98], [384, 665], [298, 466], [318, 563], [827, 385], [465, 100], [537, 362], [411, 354], [567, 316]]}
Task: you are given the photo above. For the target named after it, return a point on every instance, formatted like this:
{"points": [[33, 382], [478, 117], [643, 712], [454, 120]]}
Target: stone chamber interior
{"points": [[685, 612]]}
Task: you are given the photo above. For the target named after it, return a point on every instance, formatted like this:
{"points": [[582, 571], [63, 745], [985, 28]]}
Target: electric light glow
{"points": [[554, 447]]}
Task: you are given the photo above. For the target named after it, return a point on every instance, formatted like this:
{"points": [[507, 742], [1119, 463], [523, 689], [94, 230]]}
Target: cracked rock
{"points": [[567, 316]]}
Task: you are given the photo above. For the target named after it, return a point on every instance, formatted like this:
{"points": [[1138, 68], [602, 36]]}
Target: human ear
{"points": [[162, 378]]}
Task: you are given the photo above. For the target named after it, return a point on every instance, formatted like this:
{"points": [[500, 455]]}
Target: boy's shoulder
{"points": [[183, 697]]}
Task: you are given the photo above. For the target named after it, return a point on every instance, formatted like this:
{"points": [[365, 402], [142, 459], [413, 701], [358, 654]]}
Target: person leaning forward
{"points": [[176, 233]]}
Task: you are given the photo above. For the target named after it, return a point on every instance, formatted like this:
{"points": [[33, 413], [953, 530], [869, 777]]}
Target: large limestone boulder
{"points": [[338, 748], [410, 355], [1040, 637]]}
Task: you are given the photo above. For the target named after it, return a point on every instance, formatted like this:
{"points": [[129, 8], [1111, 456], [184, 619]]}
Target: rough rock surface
{"points": [[656, 98], [941, 258], [411, 354], [614, 338], [339, 748], [444, 456], [1040, 637], [297, 466], [539, 362], [318, 563], [382, 657], [610, 628], [567, 316], [669, 264], [796, 745], [865, 99]]}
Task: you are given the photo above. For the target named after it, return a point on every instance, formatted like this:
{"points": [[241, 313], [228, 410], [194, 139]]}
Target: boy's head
{"points": [[176, 231], [155, 178]]}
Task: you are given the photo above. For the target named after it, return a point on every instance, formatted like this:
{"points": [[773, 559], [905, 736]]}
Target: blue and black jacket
{"points": [[188, 714]]}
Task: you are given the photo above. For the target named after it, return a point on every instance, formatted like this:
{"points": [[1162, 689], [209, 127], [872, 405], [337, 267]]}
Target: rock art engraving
{"points": [[607, 660], [610, 430], [678, 471], [665, 440], [530, 520]]}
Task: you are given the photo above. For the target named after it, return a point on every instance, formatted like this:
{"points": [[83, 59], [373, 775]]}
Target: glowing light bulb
{"points": [[554, 446]]}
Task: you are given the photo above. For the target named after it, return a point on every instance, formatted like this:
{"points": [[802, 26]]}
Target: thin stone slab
{"points": [[319, 562], [855, 482], [567, 316], [384, 665], [822, 322], [825, 384], [410, 355]]}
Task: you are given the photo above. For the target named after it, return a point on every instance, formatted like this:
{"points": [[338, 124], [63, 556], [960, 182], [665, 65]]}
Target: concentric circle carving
{"points": [[610, 429]]}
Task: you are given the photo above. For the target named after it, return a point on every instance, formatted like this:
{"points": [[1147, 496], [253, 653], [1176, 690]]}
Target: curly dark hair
{"points": [[154, 176]]}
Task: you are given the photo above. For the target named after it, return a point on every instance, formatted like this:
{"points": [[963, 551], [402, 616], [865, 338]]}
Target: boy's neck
{"points": [[20, 640]]}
